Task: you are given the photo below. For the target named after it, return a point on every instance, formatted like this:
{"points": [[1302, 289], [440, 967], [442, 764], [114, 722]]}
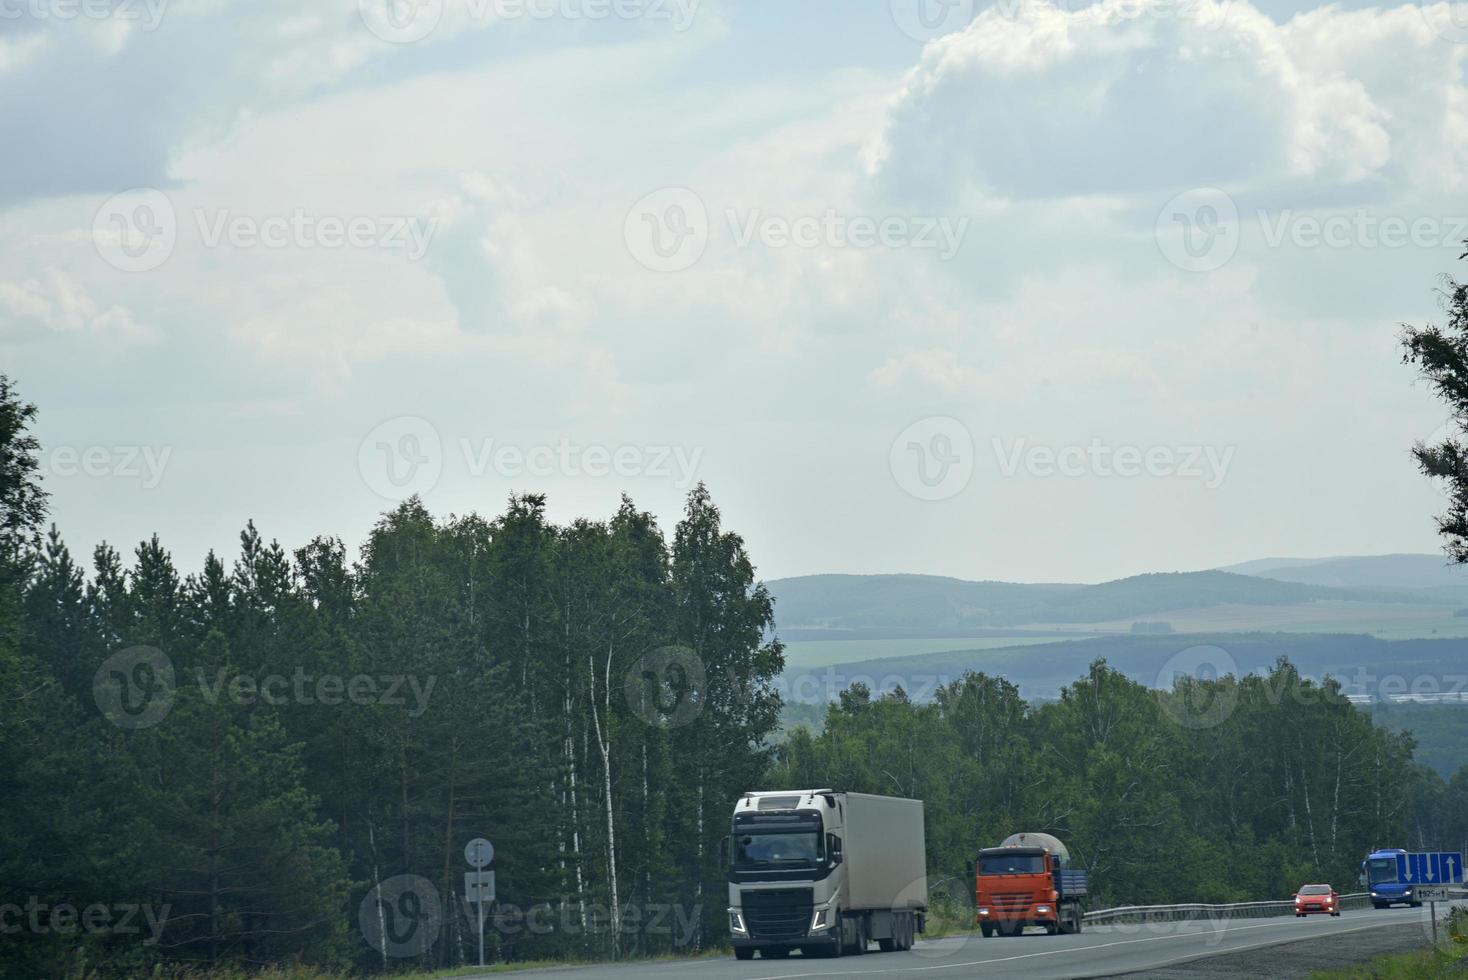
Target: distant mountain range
{"points": [[895, 605], [1370, 571]]}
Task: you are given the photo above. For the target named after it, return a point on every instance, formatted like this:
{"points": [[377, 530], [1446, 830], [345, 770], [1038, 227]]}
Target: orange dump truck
{"points": [[1028, 881]]}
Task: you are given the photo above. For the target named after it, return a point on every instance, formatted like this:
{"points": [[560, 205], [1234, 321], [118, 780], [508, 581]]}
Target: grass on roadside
{"points": [[1448, 960], [1422, 965]]}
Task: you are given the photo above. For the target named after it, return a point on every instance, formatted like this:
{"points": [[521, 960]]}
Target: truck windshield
{"points": [[766, 848], [1011, 864], [1381, 870]]}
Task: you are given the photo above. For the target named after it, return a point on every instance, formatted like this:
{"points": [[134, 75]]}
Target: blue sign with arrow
{"points": [[1439, 868]]}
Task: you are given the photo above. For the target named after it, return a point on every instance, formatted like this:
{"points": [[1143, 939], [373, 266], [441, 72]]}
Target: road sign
{"points": [[1433, 893], [478, 852], [1431, 868], [479, 886]]}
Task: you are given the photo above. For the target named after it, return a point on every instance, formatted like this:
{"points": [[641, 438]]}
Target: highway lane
{"points": [[1098, 951]]}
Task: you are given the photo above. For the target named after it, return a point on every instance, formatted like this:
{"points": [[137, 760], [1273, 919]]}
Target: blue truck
{"points": [[1379, 875]]}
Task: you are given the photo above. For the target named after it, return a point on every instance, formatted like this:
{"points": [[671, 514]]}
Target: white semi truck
{"points": [[825, 873]]}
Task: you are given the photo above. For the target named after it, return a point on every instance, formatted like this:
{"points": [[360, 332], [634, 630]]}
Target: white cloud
{"points": [[58, 302], [930, 367], [1045, 102]]}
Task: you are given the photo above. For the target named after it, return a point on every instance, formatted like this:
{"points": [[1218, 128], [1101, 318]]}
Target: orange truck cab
{"points": [[1027, 881]]}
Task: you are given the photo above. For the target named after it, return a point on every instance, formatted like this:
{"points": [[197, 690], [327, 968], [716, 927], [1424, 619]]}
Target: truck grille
{"points": [[782, 913], [1011, 901]]}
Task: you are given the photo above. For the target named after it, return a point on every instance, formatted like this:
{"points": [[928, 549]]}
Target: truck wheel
{"points": [[1078, 918], [744, 952], [909, 931], [987, 929]]}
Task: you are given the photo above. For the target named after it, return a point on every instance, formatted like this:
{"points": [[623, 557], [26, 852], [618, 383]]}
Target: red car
{"points": [[1317, 898]]}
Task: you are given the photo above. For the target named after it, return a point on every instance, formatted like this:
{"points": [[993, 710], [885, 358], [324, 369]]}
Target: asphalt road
{"points": [[1096, 952]]}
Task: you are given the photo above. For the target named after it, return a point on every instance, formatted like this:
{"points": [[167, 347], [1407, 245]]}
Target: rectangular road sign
{"points": [[479, 886], [1431, 868], [1433, 893]]}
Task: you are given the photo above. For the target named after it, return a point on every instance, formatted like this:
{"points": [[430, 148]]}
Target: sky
{"points": [[1024, 290]]}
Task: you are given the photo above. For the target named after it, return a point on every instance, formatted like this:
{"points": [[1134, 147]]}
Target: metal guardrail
{"points": [[1237, 910]]}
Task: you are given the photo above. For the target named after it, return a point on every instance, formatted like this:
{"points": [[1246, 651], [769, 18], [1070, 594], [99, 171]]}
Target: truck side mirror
{"points": [[968, 868], [724, 853], [833, 848]]}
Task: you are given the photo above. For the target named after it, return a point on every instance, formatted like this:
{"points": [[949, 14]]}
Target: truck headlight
{"points": [[820, 919], [736, 922], [1373, 894], [983, 911], [1042, 909]]}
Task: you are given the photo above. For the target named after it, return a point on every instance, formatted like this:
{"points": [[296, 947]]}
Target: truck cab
{"points": [[1026, 881], [1379, 874], [824, 873]]}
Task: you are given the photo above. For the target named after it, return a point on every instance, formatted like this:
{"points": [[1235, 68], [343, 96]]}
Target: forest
{"points": [[278, 756]]}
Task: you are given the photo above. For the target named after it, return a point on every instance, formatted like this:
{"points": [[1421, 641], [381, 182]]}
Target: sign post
{"points": [[479, 884], [1431, 875]]}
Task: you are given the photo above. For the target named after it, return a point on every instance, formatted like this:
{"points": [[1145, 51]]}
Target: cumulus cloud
{"points": [[1031, 100], [57, 302]]}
